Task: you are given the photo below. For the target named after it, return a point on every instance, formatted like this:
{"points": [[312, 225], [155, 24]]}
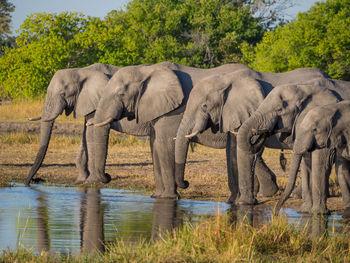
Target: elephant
{"points": [[324, 127], [77, 90], [225, 101], [222, 102], [273, 125], [154, 94]]}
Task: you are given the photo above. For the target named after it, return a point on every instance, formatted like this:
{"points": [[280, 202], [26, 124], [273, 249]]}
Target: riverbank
{"points": [[129, 163]]}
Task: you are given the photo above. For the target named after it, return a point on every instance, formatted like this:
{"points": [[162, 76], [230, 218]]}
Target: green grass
{"points": [[215, 240]]}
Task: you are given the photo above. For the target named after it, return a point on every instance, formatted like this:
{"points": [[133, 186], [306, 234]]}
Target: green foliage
{"points": [[47, 42], [318, 38], [190, 32]]}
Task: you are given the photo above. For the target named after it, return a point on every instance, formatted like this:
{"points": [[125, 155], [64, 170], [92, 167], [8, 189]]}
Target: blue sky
{"points": [[98, 8]]}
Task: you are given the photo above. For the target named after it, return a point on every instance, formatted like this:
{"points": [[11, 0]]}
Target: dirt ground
{"points": [[129, 163]]}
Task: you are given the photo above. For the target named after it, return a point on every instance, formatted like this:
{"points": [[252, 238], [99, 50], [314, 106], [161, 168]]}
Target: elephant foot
{"points": [[174, 196], [80, 180], [246, 201], [106, 179], [267, 191], [232, 199], [94, 179], [157, 194], [305, 208], [346, 214]]}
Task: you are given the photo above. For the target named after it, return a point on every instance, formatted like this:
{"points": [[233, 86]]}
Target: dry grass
{"points": [[20, 111]]}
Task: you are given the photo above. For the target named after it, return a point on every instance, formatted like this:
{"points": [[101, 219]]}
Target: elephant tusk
{"points": [[89, 123], [234, 132], [174, 139], [35, 119], [109, 120], [192, 135]]}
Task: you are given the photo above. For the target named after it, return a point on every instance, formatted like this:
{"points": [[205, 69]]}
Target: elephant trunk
{"points": [[181, 150], [251, 138], [293, 171], [183, 137], [303, 143], [53, 107], [45, 134]]}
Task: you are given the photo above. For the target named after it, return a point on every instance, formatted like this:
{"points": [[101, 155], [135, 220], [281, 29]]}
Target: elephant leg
{"points": [[164, 147], [342, 167], [297, 192], [81, 161], [90, 153], [267, 179], [305, 170], [156, 168], [320, 170], [232, 168], [246, 163]]}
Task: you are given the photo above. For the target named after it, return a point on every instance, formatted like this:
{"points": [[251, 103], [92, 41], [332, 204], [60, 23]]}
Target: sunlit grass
{"points": [[22, 138], [21, 110], [216, 240]]}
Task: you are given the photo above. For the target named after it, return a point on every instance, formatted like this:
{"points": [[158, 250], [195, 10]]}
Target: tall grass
{"points": [[216, 240], [21, 110]]}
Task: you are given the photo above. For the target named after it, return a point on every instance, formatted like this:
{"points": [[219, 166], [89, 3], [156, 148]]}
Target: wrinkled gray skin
{"points": [[325, 127], [283, 110], [154, 95], [223, 102], [77, 90]]}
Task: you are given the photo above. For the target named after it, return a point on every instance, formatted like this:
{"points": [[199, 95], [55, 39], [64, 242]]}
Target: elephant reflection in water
{"points": [[245, 214], [315, 225], [42, 223], [165, 217], [91, 221]]}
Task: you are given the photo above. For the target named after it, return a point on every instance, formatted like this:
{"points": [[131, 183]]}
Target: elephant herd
{"points": [[231, 106]]}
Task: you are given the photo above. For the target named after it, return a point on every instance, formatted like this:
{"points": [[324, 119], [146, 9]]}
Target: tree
{"points": [[47, 43], [318, 38], [6, 8], [192, 32]]}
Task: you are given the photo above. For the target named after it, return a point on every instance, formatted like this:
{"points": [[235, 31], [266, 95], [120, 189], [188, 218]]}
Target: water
{"points": [[72, 219]]}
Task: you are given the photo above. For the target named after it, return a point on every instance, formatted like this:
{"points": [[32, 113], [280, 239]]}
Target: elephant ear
{"points": [[91, 88], [242, 98], [160, 93]]}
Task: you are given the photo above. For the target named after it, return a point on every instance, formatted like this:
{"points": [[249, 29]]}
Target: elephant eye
{"points": [[204, 107]]}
